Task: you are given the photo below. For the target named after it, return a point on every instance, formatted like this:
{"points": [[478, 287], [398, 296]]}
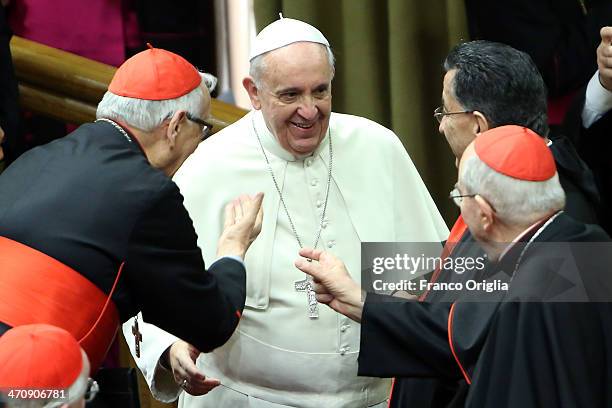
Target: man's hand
{"points": [[243, 218], [604, 58], [332, 282], [182, 357]]}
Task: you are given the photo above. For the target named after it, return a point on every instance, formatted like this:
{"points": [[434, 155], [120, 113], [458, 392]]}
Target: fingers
{"points": [[200, 387], [239, 204], [604, 58], [310, 253], [606, 35], [324, 298], [311, 268], [230, 215]]}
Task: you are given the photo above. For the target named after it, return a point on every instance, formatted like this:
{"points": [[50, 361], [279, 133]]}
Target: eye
{"points": [[321, 93], [288, 97]]}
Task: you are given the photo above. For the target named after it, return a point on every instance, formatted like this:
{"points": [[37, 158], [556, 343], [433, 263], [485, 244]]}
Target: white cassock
{"points": [[278, 356]]}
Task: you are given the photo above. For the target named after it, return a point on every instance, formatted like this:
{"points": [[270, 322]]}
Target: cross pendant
{"points": [[305, 285], [137, 336]]}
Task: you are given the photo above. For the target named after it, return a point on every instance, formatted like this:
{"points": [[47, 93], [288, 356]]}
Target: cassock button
{"points": [[331, 244], [319, 203], [343, 350], [324, 224], [314, 183], [344, 328], [308, 162]]}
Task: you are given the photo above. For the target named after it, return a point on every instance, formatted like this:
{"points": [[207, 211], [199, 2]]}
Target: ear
{"points": [[251, 88], [486, 214], [174, 126], [482, 124]]}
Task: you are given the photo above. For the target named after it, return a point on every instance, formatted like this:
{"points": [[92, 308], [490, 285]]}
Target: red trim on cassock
{"points": [[452, 348], [453, 238], [36, 288]]}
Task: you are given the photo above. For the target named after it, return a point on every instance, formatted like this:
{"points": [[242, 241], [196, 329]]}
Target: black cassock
{"points": [[91, 200], [503, 348]]}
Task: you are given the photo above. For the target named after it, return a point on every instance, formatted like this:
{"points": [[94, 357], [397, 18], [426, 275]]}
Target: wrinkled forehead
{"points": [[297, 59]]}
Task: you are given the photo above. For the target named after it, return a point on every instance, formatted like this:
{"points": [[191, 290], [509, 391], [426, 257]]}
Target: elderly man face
{"points": [[294, 95], [459, 127]]}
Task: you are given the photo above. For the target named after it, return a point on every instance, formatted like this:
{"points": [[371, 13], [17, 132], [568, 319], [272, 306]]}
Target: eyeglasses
{"points": [[92, 390], [206, 127], [439, 113], [457, 197]]}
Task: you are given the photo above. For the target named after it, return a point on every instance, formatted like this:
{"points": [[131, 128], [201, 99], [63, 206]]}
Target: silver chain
{"points": [[532, 239], [119, 128], [280, 194]]}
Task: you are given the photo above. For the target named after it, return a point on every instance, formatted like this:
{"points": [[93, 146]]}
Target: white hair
{"points": [[73, 394], [144, 114], [517, 202], [258, 65]]}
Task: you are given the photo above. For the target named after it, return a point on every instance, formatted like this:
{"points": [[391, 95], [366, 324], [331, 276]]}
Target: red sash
{"points": [[36, 288], [453, 238]]}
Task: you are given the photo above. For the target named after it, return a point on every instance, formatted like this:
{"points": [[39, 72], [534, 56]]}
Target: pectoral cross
{"points": [[305, 285], [137, 336]]}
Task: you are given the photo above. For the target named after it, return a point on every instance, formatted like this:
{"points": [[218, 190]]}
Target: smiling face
{"points": [[295, 95]]}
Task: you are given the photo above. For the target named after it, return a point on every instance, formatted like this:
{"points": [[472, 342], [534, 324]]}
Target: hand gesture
{"points": [[332, 282], [243, 218], [182, 358], [604, 58]]}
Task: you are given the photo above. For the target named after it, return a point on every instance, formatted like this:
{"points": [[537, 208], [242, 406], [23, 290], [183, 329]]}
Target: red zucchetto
{"points": [[517, 152], [39, 356], [155, 74]]}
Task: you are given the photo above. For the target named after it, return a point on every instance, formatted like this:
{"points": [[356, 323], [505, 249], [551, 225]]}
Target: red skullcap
{"points": [[517, 152], [155, 74], [39, 356]]}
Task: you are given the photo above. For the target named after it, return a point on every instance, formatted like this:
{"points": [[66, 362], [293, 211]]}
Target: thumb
{"points": [[606, 35]]}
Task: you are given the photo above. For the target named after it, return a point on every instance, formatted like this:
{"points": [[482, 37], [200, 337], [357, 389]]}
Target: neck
{"points": [[504, 236], [150, 145]]}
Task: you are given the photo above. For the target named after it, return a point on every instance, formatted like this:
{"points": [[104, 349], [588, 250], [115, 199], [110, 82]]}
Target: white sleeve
{"points": [[598, 101], [154, 342]]}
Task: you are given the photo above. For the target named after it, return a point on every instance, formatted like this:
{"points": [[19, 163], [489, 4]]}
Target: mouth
{"points": [[304, 126]]}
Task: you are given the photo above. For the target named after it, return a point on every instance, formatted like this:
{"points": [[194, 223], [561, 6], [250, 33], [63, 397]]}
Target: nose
{"points": [[308, 108]]}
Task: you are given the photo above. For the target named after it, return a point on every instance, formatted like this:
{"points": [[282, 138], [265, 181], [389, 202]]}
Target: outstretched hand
{"points": [[243, 218], [332, 282]]}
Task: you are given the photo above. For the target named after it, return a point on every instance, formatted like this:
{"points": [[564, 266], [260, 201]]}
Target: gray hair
{"points": [[144, 114], [517, 202], [258, 65], [73, 393]]}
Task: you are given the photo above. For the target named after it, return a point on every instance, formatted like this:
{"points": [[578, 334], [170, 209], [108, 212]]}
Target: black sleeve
{"points": [[166, 276], [546, 355], [594, 145], [405, 338], [560, 38]]}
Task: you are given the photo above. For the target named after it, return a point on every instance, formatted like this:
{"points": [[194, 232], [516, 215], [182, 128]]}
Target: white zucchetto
{"points": [[282, 32]]}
